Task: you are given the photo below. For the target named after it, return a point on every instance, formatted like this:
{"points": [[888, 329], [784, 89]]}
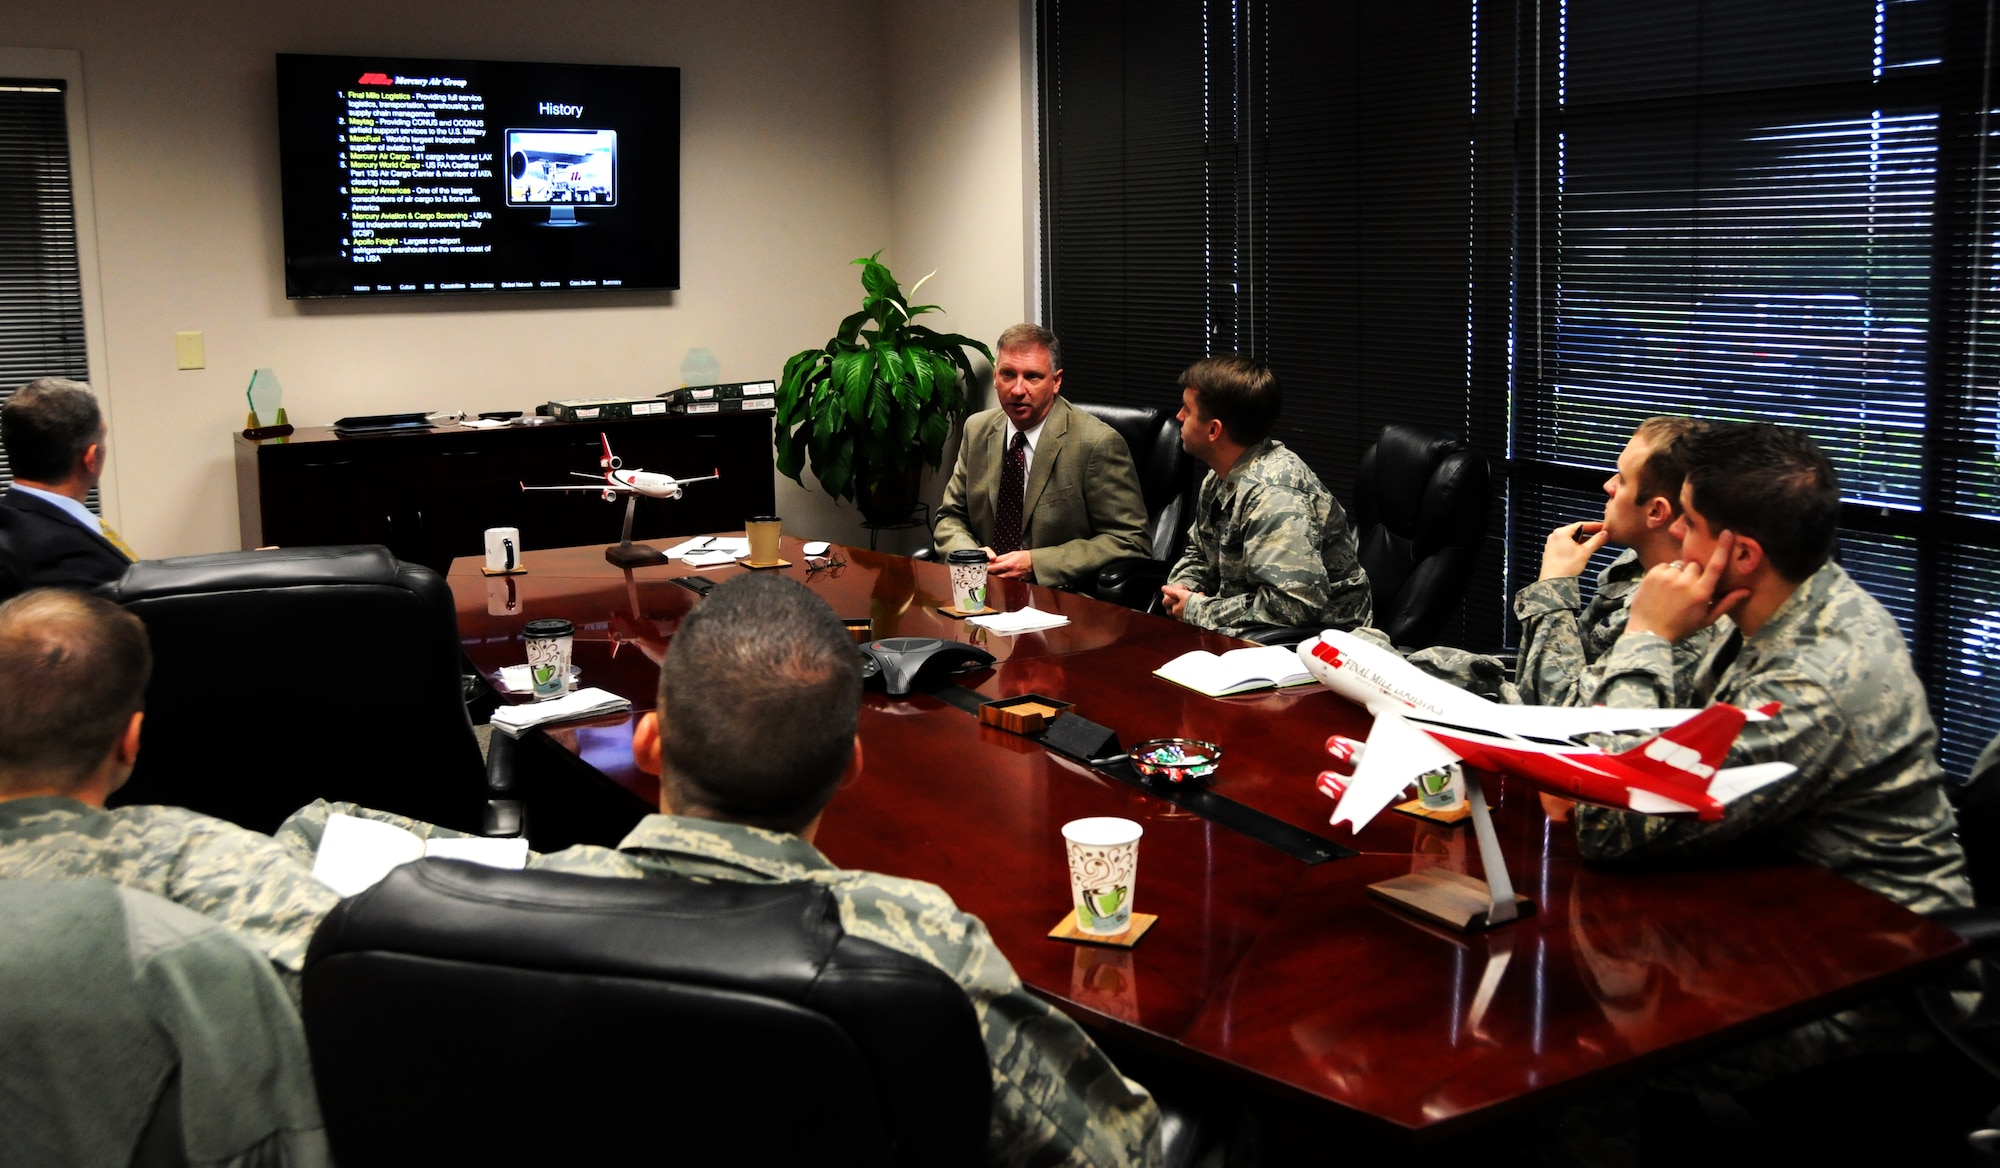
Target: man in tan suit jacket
{"points": [[1080, 506]]}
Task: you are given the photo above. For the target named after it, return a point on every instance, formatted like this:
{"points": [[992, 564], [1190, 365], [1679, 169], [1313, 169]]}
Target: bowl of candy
{"points": [[1176, 759]]}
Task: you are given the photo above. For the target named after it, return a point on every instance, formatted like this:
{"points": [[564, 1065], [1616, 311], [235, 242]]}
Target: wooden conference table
{"points": [[1283, 973]]}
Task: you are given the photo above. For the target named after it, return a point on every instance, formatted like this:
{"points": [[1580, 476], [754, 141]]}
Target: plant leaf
{"points": [[922, 376], [836, 473], [877, 280], [851, 371], [879, 405], [889, 361], [791, 454], [851, 326], [932, 433]]}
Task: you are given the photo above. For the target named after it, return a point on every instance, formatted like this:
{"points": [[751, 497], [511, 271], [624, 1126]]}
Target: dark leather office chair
{"points": [[284, 676], [1167, 482], [1421, 498], [460, 1014]]}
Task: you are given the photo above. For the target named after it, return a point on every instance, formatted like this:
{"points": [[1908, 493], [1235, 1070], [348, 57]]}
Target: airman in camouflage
{"points": [[1269, 544], [73, 672], [234, 876], [760, 697], [1561, 636], [1853, 719], [1056, 1098], [1759, 513], [1642, 499]]}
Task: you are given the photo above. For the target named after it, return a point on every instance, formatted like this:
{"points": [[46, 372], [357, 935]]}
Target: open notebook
{"points": [[1237, 671], [354, 853]]}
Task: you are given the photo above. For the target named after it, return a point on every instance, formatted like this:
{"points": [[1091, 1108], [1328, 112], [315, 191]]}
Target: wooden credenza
{"points": [[430, 495]]}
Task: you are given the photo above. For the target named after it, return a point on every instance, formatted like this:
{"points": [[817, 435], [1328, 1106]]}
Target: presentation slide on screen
{"points": [[410, 177]]}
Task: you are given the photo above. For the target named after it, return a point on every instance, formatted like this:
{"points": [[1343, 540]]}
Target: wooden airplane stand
{"points": [[1453, 899], [625, 553]]}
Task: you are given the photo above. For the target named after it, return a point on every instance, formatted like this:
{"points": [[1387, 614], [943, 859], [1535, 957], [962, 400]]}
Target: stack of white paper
{"points": [[584, 703], [355, 853], [1026, 620]]}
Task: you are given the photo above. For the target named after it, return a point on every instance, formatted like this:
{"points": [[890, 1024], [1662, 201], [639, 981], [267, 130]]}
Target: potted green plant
{"points": [[875, 405]]}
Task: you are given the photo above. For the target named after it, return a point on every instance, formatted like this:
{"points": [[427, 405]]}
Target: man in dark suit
{"points": [[54, 437], [1048, 492]]}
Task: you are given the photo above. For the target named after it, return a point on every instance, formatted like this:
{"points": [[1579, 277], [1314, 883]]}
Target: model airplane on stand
{"points": [[632, 484], [1423, 725]]}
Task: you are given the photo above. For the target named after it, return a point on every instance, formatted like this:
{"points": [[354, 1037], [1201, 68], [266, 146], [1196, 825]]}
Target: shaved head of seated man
{"points": [[757, 728], [73, 674], [55, 439]]}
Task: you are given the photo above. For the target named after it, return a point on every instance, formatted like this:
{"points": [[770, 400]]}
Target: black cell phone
{"points": [[500, 415], [699, 585]]}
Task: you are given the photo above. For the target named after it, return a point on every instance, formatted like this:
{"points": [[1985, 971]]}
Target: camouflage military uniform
{"points": [[1866, 801], [1270, 546], [231, 875], [1561, 637], [1056, 1099]]}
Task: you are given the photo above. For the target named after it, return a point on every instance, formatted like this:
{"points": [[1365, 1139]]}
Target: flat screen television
{"points": [[416, 177]]}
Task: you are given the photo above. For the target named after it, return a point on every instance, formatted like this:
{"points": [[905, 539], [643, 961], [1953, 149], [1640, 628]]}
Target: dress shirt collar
{"points": [[776, 855], [70, 507], [1034, 433]]}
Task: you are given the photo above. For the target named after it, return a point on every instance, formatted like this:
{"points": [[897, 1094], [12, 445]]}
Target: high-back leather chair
{"points": [[1166, 478], [284, 676], [1420, 505], [1167, 481], [460, 1014]]}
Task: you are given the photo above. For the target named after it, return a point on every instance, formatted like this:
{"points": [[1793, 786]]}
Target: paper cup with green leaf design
{"points": [[1103, 866]]}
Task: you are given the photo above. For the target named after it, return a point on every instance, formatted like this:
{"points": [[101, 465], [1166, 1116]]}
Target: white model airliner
{"points": [[618, 480], [1423, 724], [631, 484]]}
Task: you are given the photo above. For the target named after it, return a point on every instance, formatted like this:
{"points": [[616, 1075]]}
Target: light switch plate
{"points": [[189, 351]]}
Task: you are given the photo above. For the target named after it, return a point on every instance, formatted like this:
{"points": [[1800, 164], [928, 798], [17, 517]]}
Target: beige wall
{"points": [[791, 166], [961, 181]]}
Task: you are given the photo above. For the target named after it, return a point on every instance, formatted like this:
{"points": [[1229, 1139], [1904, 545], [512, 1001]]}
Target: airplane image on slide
{"points": [[1423, 724]]}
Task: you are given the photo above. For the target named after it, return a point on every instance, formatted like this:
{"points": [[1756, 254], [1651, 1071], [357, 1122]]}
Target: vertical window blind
{"points": [[41, 289], [1300, 181], [1537, 222]]}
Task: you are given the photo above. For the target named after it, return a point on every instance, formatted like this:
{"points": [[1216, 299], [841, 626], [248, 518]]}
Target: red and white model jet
{"points": [[1423, 724], [618, 481]]}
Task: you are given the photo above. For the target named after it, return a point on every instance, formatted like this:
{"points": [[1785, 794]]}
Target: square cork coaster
{"points": [[1450, 818], [486, 571], [1066, 930], [747, 563], [953, 613]]}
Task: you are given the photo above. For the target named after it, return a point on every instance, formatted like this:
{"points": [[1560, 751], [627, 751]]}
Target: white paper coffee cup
{"points": [[1103, 871]]}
